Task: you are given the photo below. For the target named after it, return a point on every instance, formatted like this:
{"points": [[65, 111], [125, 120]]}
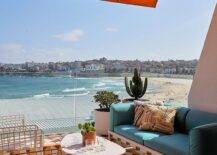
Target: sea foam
{"points": [[79, 94], [41, 95], [99, 84], [67, 90]]}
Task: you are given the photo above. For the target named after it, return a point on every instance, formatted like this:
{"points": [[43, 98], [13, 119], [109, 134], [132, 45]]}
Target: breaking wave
{"points": [[67, 90], [79, 94], [41, 95], [99, 84]]}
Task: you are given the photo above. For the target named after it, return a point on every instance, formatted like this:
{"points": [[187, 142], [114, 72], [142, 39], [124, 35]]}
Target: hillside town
{"points": [[103, 65]]}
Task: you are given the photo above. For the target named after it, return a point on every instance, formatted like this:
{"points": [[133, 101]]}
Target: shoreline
{"points": [[94, 75]]}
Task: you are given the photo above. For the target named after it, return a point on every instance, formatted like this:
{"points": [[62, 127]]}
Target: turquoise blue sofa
{"points": [[195, 131]]}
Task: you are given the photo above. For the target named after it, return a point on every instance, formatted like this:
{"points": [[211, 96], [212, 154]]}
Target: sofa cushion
{"points": [[140, 106], [120, 114], [176, 144], [180, 117], [133, 133], [196, 118], [203, 140], [158, 118]]}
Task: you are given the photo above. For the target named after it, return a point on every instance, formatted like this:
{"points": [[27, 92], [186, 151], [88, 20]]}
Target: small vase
{"points": [[90, 136]]}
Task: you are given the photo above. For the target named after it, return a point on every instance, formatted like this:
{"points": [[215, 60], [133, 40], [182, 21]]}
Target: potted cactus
{"points": [[104, 99], [136, 88], [88, 132]]}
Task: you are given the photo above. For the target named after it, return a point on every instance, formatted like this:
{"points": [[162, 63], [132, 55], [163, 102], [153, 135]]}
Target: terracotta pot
{"points": [[101, 122], [89, 136]]}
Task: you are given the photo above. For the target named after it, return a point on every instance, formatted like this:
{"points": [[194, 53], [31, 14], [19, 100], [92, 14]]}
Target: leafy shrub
{"points": [[105, 99]]}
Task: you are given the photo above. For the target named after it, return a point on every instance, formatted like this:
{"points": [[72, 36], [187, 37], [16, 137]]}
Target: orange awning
{"points": [[147, 3]]}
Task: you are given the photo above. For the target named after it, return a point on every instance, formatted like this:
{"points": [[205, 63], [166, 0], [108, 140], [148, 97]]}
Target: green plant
{"points": [[86, 127], [137, 87], [105, 99]]}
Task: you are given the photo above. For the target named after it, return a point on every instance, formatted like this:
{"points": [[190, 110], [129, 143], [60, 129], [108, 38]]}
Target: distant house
{"points": [[76, 67], [94, 67], [61, 67], [156, 70], [169, 71]]}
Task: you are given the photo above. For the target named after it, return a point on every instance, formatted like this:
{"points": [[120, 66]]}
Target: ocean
{"points": [[55, 100]]}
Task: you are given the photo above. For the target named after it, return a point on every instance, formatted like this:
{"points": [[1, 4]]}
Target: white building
{"points": [[169, 71], [94, 67]]}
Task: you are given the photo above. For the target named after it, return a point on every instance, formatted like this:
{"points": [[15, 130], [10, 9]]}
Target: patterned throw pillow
{"points": [[157, 118], [140, 106], [139, 109]]}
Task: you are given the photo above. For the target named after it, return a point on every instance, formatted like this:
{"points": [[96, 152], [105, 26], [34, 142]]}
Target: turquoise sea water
{"points": [[14, 87], [54, 102]]}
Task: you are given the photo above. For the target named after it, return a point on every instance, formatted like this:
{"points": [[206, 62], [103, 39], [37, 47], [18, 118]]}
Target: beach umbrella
{"points": [[146, 3]]}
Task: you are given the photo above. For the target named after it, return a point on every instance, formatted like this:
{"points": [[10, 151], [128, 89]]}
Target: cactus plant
{"points": [[136, 88]]}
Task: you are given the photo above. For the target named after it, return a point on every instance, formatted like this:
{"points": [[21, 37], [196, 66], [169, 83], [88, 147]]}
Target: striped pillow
{"points": [[139, 109], [140, 106], [158, 118]]}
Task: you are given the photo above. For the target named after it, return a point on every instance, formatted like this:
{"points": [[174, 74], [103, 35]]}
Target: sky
{"points": [[68, 30]]}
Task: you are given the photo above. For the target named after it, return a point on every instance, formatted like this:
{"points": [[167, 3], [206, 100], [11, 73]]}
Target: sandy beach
{"points": [[170, 90]]}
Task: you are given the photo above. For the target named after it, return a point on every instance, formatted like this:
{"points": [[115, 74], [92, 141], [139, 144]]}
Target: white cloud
{"points": [[12, 52], [71, 36], [111, 29], [51, 54], [11, 48], [18, 53]]}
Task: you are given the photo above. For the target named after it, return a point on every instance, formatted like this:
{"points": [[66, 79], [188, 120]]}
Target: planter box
{"points": [[101, 122]]}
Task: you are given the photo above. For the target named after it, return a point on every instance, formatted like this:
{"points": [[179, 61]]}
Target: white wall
{"points": [[203, 93]]}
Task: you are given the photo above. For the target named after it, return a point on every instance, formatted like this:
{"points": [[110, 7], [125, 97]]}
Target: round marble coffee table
{"points": [[72, 144]]}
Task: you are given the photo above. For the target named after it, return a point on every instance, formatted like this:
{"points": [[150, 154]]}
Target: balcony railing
{"points": [[12, 120], [58, 125], [18, 139]]}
